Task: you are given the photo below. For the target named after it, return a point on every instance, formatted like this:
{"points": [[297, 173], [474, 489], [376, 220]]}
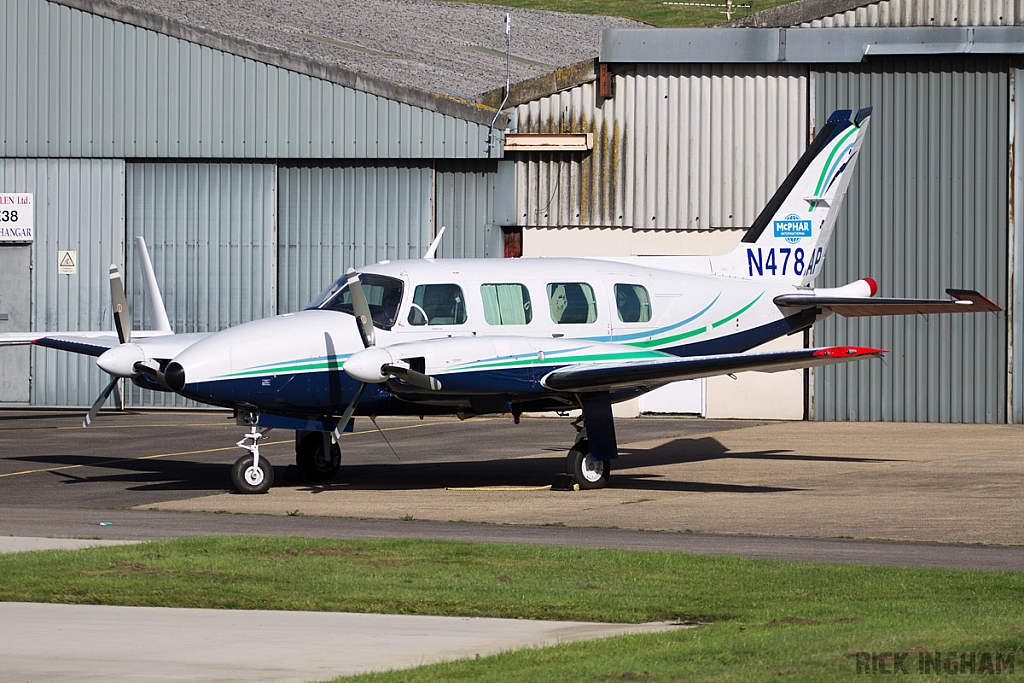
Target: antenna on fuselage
{"points": [[432, 249]]}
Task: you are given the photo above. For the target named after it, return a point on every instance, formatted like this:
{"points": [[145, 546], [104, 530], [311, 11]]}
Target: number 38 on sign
{"points": [[16, 217]]}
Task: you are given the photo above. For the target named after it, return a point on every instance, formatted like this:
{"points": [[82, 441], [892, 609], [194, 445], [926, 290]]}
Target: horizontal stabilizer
{"points": [[662, 371], [963, 301]]}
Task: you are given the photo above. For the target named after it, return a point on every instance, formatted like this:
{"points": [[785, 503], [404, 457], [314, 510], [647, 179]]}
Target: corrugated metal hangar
{"points": [[260, 163], [694, 130], [252, 145]]}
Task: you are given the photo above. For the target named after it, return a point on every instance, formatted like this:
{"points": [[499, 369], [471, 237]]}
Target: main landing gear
{"points": [[317, 455], [586, 471]]}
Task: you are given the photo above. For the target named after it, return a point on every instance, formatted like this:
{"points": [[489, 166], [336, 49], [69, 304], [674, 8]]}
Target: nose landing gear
{"points": [[251, 473]]}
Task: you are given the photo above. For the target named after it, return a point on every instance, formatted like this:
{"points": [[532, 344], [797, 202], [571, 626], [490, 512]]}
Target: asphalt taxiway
{"points": [[907, 494], [902, 495]]}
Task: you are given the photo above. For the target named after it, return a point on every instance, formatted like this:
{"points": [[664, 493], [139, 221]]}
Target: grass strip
{"points": [[649, 11], [763, 618]]}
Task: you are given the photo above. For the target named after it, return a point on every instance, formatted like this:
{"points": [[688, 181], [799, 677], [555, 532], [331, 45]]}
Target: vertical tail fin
{"points": [[788, 239], [156, 301]]}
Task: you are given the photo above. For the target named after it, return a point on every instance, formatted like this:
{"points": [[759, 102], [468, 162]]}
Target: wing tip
{"points": [[848, 352], [974, 298]]}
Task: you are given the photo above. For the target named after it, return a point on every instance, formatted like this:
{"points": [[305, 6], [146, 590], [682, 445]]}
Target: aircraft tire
{"points": [[247, 479], [587, 473], [309, 457]]}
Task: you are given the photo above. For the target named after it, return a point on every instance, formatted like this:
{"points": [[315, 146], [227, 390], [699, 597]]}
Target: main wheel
{"points": [[585, 471], [249, 479], [316, 463]]}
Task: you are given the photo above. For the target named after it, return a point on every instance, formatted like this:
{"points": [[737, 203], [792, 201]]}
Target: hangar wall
{"points": [[88, 219], [931, 208], [88, 86], [682, 154], [928, 210], [678, 146], [1015, 255], [327, 226], [254, 185]]}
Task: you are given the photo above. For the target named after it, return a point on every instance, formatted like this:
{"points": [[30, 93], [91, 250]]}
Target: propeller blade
{"points": [[412, 377], [347, 415], [118, 398], [99, 402], [361, 308], [122, 321]]}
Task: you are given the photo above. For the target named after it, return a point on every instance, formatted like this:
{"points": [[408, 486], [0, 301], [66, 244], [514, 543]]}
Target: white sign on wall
{"points": [[16, 217], [67, 262]]}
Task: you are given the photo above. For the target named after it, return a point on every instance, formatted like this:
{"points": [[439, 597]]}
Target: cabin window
{"points": [[572, 303], [383, 294], [633, 303], [506, 304], [437, 305]]}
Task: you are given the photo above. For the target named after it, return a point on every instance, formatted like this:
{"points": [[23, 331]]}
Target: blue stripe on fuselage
{"points": [[329, 392], [623, 338]]}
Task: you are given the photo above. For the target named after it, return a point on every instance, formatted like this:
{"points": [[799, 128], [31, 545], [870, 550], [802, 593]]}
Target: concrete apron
{"points": [[82, 643], [912, 482]]}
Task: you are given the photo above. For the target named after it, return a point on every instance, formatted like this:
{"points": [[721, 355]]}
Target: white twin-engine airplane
{"points": [[474, 336]]}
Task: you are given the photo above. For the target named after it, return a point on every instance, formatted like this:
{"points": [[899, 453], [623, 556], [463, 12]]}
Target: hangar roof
{"points": [[451, 48]]}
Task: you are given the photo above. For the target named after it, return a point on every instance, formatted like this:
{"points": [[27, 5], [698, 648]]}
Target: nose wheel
{"points": [[251, 473]]}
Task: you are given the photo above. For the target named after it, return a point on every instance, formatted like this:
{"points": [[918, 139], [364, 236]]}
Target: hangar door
{"points": [[335, 217], [210, 229], [927, 210]]}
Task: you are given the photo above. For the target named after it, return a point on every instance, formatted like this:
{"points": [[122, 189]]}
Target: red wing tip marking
{"points": [[872, 285], [839, 351]]}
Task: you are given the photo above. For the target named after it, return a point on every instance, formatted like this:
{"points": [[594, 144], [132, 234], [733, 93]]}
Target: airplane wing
{"points": [[963, 301], [606, 376]]}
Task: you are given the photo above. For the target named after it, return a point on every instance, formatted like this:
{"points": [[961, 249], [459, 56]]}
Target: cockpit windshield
{"points": [[383, 294]]}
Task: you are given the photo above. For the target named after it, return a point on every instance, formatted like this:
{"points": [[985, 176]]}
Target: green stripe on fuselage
{"points": [[694, 332]]}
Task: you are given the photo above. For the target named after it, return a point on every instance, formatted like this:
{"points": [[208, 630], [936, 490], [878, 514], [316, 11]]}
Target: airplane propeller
{"points": [[374, 365], [126, 360], [123, 325]]}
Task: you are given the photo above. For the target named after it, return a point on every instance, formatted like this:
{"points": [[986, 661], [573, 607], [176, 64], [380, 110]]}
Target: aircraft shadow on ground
{"points": [[164, 474], [167, 474], [709, 448], [542, 471]]}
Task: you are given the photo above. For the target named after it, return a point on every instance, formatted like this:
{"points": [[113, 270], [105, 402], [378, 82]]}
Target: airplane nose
{"points": [[174, 375]]}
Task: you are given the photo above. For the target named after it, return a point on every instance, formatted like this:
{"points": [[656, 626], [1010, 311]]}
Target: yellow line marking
{"points": [[171, 455], [141, 457]]}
